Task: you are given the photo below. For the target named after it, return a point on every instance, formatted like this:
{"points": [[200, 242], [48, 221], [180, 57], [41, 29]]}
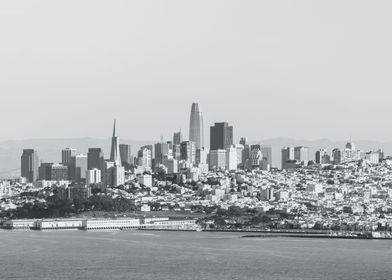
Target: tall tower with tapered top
{"points": [[196, 126], [115, 150]]}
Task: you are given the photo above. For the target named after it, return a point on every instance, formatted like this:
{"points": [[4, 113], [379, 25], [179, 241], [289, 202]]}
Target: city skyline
{"points": [[213, 139]]}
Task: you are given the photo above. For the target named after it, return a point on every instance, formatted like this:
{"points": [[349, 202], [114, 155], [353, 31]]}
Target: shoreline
{"points": [[253, 235]]}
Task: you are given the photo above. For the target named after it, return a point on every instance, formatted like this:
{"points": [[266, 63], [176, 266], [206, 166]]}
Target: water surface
{"points": [[187, 255]]}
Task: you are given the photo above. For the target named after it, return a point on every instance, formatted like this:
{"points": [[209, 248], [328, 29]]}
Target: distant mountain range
{"points": [[49, 150]]}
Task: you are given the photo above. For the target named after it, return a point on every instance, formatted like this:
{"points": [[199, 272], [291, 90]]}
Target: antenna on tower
{"points": [[114, 128]]}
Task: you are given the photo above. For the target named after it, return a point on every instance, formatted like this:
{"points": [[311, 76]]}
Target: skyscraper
{"points": [[267, 154], [29, 165], [287, 156], [145, 158], [177, 138], [95, 159], [78, 168], [114, 171], [231, 158], [66, 155], [115, 150], [125, 154], [221, 136], [45, 171], [217, 159], [161, 151], [188, 151], [301, 155], [322, 157], [196, 126]]}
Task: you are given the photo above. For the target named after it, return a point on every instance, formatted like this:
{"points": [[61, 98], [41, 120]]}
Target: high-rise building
{"points": [[59, 172], [170, 146], [93, 176], [202, 156], [188, 151], [78, 168], [177, 138], [245, 158], [337, 156], [66, 155], [256, 157], [45, 171], [287, 156], [373, 157], [240, 153], [177, 151], [115, 150], [171, 164], [125, 154], [145, 159], [95, 159], [301, 154], [196, 126], [231, 158], [217, 159], [29, 165], [114, 174], [161, 151], [267, 155], [322, 157], [221, 136]]}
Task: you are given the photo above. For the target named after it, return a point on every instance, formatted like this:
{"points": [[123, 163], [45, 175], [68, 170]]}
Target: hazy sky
{"points": [[300, 69]]}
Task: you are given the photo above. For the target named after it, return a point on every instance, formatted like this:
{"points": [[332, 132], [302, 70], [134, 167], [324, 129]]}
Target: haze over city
{"points": [[303, 70]]}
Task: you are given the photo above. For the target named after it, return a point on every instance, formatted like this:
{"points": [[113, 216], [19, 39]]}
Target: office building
{"points": [[171, 164], [218, 159], [231, 158], [125, 154], [66, 155], [59, 172], [161, 151], [177, 151], [256, 157], [95, 158], [301, 154], [114, 174], [29, 165], [78, 168], [337, 156], [145, 159], [177, 138], [44, 171], [196, 126], [93, 176], [322, 157], [287, 156], [266, 151], [202, 156], [221, 136], [373, 157], [188, 151]]}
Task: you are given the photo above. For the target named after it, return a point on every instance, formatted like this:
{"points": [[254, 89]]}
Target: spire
{"points": [[114, 129]]}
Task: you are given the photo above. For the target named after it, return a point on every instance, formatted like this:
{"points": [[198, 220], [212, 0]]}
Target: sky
{"points": [[298, 69]]}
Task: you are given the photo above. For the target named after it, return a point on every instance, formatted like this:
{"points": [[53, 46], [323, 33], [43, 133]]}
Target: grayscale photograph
{"points": [[200, 140]]}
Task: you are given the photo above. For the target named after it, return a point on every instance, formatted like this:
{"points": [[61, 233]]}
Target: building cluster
{"points": [[342, 187], [173, 157]]}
